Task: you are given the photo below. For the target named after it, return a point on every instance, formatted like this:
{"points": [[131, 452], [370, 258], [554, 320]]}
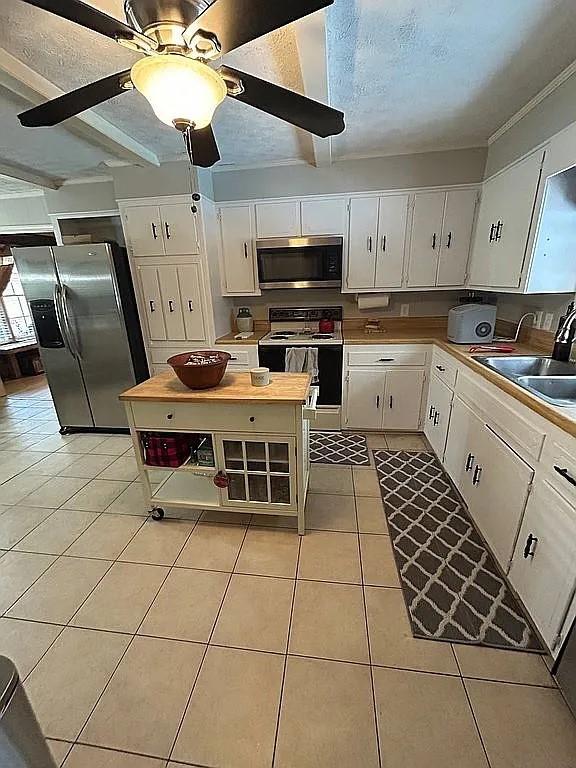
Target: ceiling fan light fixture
{"points": [[179, 88]]}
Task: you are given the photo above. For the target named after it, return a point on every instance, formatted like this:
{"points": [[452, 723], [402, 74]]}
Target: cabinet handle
{"points": [[449, 241], [167, 228], [436, 418], [377, 401], [528, 551], [563, 472], [170, 305], [498, 233], [477, 475], [154, 233], [440, 368], [233, 358], [152, 307], [391, 402], [369, 243], [469, 462], [383, 243], [434, 241], [431, 412], [492, 228], [190, 306], [386, 360], [245, 250]]}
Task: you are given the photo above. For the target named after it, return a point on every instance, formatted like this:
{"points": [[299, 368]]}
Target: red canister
{"points": [[326, 326]]}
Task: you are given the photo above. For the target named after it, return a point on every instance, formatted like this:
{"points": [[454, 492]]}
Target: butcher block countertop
{"points": [[254, 339], [234, 388]]}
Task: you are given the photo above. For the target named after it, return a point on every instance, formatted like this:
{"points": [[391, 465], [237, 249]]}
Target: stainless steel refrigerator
{"points": [[82, 302]]}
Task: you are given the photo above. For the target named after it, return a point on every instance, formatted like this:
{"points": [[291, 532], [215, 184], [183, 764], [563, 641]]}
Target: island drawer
{"points": [[276, 418]]}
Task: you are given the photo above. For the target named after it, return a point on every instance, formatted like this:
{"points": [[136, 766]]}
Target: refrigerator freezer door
{"points": [[40, 284], [92, 307]]}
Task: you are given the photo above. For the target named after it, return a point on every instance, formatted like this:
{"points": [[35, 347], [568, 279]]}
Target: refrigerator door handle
{"points": [[61, 320], [74, 347]]}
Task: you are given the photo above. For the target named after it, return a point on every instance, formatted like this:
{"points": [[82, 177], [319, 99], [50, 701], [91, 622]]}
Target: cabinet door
{"points": [[499, 488], [237, 229], [323, 217], [180, 230], [144, 230], [278, 219], [191, 302], [362, 243], [437, 415], [392, 214], [425, 239], [456, 236], [507, 205], [458, 457], [544, 567], [150, 287], [365, 399], [403, 399], [170, 292]]}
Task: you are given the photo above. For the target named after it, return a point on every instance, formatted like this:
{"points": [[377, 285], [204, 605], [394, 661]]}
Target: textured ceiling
{"points": [[411, 75]]}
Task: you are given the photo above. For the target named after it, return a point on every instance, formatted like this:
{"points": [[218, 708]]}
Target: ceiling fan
{"points": [[180, 39]]}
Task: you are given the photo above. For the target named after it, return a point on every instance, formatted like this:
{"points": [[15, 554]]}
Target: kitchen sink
{"points": [[558, 390]]}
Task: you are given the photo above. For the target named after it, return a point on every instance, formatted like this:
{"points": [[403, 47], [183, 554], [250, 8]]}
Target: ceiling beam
{"points": [[22, 173], [312, 51], [22, 80]]}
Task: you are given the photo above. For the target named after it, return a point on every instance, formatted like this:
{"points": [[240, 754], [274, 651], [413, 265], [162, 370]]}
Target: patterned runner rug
{"points": [[338, 448], [452, 585]]}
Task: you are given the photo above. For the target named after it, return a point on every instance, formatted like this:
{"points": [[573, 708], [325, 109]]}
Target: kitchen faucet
{"points": [[564, 337]]}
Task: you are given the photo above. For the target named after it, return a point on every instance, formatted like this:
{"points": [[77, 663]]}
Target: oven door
{"points": [[300, 262], [330, 357]]}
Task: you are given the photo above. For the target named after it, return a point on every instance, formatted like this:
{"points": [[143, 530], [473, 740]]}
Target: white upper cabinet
{"points": [[391, 241], [238, 250], [278, 219], [323, 216], [362, 242], [425, 239], [180, 230], [161, 230], [456, 236], [504, 225], [144, 230]]}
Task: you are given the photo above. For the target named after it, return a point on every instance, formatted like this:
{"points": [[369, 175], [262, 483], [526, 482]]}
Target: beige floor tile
{"points": [[121, 599], [371, 517], [84, 444], [57, 532], [330, 513], [25, 643], [506, 666], [18, 521], [212, 546], [122, 468], [130, 502], [87, 466], [187, 605], [273, 521], [58, 750], [365, 482], [158, 543], [18, 571], [59, 592], [106, 537], [93, 757], [376, 441], [378, 566], [21, 485], [80, 664], [54, 463], [55, 492], [327, 716], [328, 556], [114, 445], [269, 552], [391, 641], [398, 441], [255, 614], [54, 443], [142, 706], [231, 719], [334, 479], [96, 495], [442, 733], [523, 726], [328, 621], [232, 518]]}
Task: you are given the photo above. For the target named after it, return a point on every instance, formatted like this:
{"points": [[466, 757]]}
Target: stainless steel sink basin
{"points": [[516, 366], [558, 390]]}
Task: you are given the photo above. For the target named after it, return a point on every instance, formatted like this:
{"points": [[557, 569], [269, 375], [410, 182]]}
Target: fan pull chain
{"points": [[188, 143]]}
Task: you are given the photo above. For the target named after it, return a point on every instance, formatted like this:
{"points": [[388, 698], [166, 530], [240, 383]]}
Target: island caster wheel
{"points": [[157, 513]]}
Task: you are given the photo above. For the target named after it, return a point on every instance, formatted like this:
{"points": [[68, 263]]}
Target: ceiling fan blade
{"points": [[70, 104], [287, 105], [92, 18], [235, 22], [202, 147]]}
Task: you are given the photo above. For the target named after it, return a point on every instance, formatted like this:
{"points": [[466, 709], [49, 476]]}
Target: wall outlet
{"points": [[404, 310], [539, 319], [548, 320]]}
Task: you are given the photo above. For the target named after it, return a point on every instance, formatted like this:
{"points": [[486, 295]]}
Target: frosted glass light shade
{"points": [[179, 88]]}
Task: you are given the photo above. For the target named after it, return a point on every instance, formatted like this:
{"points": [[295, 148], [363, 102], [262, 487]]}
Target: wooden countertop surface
{"points": [[234, 388]]}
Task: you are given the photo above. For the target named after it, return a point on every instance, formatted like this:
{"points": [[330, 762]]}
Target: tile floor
{"points": [[232, 642]]}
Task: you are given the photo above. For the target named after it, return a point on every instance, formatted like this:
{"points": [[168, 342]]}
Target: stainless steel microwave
{"points": [[300, 262]]}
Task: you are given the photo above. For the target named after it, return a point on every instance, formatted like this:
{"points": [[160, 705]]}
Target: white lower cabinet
{"points": [[437, 415], [365, 394], [458, 458], [402, 399], [152, 302], [377, 399], [543, 570]]}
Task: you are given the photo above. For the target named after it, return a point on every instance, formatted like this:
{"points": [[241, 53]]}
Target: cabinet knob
{"points": [[252, 419], [169, 416]]}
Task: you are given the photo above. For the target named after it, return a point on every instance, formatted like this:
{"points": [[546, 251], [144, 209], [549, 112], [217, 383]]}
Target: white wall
{"points": [[513, 306], [23, 211], [151, 181], [83, 197]]}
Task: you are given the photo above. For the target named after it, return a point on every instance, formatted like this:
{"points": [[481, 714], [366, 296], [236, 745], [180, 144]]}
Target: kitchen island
{"points": [[248, 446]]}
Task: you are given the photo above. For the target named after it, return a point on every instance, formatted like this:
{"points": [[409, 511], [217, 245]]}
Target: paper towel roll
{"points": [[373, 300]]}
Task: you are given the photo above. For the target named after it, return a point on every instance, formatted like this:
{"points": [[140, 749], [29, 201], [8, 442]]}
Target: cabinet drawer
{"points": [[215, 417], [444, 368], [560, 464], [384, 357], [242, 357]]}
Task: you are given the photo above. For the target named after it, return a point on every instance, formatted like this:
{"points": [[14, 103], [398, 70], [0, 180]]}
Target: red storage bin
{"points": [[162, 449]]}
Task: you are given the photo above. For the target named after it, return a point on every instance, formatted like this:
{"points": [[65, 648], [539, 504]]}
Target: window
{"points": [[15, 319]]}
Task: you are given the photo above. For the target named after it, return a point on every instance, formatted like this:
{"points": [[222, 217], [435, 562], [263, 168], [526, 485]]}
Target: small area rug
{"points": [[338, 448], [453, 588]]}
